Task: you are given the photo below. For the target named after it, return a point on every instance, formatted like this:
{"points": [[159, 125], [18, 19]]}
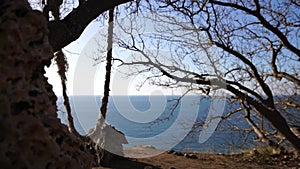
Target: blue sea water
{"points": [[163, 122]]}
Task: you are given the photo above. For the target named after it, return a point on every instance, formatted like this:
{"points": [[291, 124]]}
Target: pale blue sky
{"points": [[86, 78]]}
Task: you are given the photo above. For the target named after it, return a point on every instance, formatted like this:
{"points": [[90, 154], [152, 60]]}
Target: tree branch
{"points": [[63, 32], [264, 22], [256, 75], [258, 131]]}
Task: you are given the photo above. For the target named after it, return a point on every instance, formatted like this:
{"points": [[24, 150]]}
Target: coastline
{"points": [[145, 158]]}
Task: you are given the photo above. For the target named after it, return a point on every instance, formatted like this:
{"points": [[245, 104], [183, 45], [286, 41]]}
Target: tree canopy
{"points": [[248, 48]]}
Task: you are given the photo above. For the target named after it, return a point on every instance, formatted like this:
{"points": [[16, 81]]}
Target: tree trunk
{"points": [[62, 69], [103, 109], [103, 155], [272, 115], [260, 134], [279, 123]]}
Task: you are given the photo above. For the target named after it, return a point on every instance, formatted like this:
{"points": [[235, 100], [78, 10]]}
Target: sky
{"points": [[84, 77]]}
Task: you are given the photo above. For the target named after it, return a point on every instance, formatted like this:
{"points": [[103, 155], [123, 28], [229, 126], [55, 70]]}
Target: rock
{"points": [[178, 153], [31, 134], [191, 156], [149, 146], [114, 139]]}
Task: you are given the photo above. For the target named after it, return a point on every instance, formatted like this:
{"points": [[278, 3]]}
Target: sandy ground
{"points": [[150, 158]]}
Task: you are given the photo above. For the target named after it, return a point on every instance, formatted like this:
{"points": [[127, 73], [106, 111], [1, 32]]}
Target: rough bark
{"points": [[31, 134], [62, 65]]}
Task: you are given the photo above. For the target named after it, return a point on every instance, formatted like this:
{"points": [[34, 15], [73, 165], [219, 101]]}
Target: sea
{"points": [[189, 123]]}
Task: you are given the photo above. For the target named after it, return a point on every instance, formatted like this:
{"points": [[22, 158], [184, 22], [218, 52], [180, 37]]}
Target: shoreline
{"points": [[179, 160], [149, 150]]}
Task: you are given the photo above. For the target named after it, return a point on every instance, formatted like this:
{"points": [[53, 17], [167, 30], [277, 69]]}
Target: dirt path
{"points": [[176, 160]]}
